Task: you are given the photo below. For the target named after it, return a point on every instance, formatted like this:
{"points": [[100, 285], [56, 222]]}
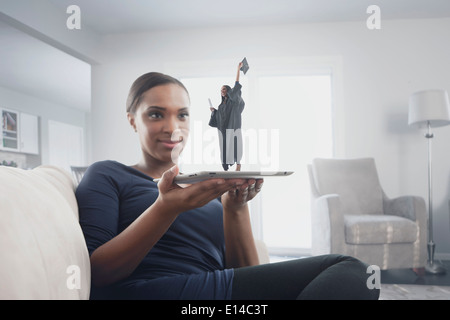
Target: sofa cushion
{"points": [[43, 252], [379, 229]]}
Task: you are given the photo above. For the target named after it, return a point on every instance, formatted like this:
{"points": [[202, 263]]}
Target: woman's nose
{"points": [[171, 125]]}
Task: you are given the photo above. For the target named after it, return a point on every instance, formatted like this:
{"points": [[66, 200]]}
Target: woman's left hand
{"points": [[238, 197]]}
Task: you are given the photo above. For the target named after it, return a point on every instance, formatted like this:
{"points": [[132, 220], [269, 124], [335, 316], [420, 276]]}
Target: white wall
{"points": [[380, 69], [45, 110]]}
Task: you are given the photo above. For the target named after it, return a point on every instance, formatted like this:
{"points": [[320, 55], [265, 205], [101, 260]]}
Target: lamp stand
{"points": [[432, 266]]}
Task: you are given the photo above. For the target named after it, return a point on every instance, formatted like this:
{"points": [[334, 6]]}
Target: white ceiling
{"points": [[30, 66], [121, 16]]}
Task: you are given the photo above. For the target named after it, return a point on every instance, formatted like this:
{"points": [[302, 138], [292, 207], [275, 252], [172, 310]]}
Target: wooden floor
{"points": [[408, 276]]}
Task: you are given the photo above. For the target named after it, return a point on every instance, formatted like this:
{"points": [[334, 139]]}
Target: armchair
{"points": [[352, 215]]}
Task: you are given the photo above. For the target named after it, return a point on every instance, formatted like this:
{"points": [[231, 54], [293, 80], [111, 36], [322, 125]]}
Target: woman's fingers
{"points": [[239, 191], [242, 194], [166, 182], [201, 193], [258, 185]]}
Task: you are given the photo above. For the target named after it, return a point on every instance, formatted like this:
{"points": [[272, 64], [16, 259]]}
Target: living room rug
{"points": [[405, 284], [414, 292], [408, 276]]}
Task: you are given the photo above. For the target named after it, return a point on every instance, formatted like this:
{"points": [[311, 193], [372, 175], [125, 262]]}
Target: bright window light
{"points": [[287, 121], [300, 106]]}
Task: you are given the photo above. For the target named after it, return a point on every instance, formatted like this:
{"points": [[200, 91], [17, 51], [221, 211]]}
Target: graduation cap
{"points": [[245, 66]]}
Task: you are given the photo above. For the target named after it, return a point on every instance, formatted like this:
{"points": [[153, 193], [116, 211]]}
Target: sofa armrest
{"points": [[327, 225]]}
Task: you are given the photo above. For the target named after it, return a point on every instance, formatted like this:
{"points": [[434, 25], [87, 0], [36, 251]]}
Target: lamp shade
{"points": [[431, 106]]}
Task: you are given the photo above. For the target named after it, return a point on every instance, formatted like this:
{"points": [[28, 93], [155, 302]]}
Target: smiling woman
{"points": [[151, 240], [138, 230], [162, 120]]}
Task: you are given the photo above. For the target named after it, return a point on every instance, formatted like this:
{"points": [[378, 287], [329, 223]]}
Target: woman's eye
{"points": [[184, 115], [155, 115]]}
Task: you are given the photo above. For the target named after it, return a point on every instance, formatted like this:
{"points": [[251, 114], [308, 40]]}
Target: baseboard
{"points": [[304, 252], [442, 256]]}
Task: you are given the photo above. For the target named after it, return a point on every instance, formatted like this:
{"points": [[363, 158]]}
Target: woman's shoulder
{"points": [[236, 91], [237, 86], [105, 175], [109, 169], [106, 166], [116, 171]]}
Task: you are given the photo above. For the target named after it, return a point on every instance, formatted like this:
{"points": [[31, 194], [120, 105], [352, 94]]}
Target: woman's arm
{"points": [[239, 71], [239, 242], [118, 258]]}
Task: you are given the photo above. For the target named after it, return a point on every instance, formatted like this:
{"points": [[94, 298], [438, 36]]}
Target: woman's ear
{"points": [[132, 120]]}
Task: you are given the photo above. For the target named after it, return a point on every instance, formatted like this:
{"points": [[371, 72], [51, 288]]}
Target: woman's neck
{"points": [[153, 168]]}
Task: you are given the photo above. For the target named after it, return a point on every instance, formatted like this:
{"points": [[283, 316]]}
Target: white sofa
{"points": [[43, 253]]}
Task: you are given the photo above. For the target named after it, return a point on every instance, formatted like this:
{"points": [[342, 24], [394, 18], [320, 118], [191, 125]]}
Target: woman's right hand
{"points": [[179, 199]]}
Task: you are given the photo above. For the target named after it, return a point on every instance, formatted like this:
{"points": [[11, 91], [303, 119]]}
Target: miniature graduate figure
{"points": [[227, 119]]}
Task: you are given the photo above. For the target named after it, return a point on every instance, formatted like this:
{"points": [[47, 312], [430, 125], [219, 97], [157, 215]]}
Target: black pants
{"points": [[327, 277]]}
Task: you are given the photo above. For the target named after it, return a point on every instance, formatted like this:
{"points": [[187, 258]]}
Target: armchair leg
{"points": [[419, 271]]}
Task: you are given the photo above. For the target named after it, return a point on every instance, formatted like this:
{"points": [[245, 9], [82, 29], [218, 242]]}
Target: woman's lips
{"points": [[170, 144]]}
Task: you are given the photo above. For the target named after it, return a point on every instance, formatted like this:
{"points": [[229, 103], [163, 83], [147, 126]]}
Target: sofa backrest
{"points": [[43, 253], [354, 180]]}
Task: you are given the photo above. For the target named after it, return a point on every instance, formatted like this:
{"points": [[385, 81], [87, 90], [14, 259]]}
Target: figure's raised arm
{"points": [[239, 71]]}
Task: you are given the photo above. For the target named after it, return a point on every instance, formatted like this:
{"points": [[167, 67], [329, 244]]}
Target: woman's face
{"points": [[223, 91], [162, 122]]}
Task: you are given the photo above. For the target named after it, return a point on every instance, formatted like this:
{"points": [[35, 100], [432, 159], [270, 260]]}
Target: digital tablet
{"points": [[204, 175]]}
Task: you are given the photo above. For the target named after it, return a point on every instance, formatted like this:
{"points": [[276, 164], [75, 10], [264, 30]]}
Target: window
{"points": [[287, 121], [300, 107]]}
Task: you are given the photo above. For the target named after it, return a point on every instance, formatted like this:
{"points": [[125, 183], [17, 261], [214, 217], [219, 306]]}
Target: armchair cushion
{"points": [[379, 229]]}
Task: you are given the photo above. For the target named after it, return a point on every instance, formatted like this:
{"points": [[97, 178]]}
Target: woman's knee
{"points": [[342, 277], [357, 277]]}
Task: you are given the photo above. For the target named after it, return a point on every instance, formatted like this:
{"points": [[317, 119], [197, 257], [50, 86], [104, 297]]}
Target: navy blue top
{"points": [[188, 262]]}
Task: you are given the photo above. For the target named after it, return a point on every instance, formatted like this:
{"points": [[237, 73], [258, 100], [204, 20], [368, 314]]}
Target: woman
{"points": [[164, 241], [227, 119]]}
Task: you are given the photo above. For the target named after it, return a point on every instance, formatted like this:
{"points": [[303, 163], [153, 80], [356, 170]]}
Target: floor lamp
{"points": [[429, 109]]}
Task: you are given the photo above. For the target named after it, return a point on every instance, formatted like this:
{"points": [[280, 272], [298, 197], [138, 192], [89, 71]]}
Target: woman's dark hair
{"points": [[228, 89], [146, 82]]}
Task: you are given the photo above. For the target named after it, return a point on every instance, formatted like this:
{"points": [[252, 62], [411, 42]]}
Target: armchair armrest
{"points": [[413, 208], [410, 207], [327, 223]]}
